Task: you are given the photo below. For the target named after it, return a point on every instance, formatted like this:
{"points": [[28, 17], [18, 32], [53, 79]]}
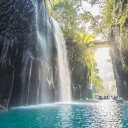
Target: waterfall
{"points": [[64, 74], [33, 58], [45, 90], [47, 31]]}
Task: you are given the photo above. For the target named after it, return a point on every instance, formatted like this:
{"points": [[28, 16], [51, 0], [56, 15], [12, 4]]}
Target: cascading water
{"points": [[44, 39], [64, 74], [33, 57]]}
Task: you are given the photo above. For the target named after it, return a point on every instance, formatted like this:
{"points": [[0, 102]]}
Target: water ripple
{"points": [[104, 114]]}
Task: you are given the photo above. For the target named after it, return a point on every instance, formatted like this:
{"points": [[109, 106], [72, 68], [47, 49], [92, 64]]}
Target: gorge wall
{"points": [[118, 41], [32, 55]]}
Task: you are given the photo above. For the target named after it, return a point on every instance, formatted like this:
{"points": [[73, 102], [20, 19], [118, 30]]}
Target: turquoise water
{"points": [[102, 114]]}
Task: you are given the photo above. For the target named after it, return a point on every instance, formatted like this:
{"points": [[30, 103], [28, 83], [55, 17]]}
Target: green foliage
{"points": [[73, 23], [116, 13], [98, 87], [108, 13]]}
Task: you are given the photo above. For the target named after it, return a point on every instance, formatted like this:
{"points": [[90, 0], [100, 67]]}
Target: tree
{"points": [[73, 22]]}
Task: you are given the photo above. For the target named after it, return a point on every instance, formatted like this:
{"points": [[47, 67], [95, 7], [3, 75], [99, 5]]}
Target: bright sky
{"points": [[94, 11], [105, 71]]}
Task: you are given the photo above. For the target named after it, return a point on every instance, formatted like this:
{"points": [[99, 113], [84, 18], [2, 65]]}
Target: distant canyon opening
{"points": [[105, 67]]}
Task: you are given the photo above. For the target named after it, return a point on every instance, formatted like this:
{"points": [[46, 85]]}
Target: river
{"points": [[101, 114]]}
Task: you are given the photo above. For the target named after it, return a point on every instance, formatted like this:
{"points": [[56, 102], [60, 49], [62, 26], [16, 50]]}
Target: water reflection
{"points": [[102, 114], [107, 115], [65, 115]]}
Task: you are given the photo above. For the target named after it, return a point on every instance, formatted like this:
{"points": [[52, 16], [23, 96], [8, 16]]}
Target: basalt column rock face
{"points": [[119, 48], [19, 52], [29, 69]]}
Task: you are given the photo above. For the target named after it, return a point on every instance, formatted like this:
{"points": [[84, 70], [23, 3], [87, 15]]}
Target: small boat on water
{"points": [[2, 108], [118, 99], [103, 97]]}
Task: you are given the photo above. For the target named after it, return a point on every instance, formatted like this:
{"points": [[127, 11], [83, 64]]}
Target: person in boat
{"points": [[115, 98], [107, 97], [119, 98], [100, 98]]}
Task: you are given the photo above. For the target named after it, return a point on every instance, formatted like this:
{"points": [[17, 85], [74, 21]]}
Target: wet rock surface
{"points": [[119, 51], [31, 50], [20, 52]]}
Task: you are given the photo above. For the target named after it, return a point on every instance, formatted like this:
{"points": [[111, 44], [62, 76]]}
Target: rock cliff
{"points": [[118, 40], [31, 51]]}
